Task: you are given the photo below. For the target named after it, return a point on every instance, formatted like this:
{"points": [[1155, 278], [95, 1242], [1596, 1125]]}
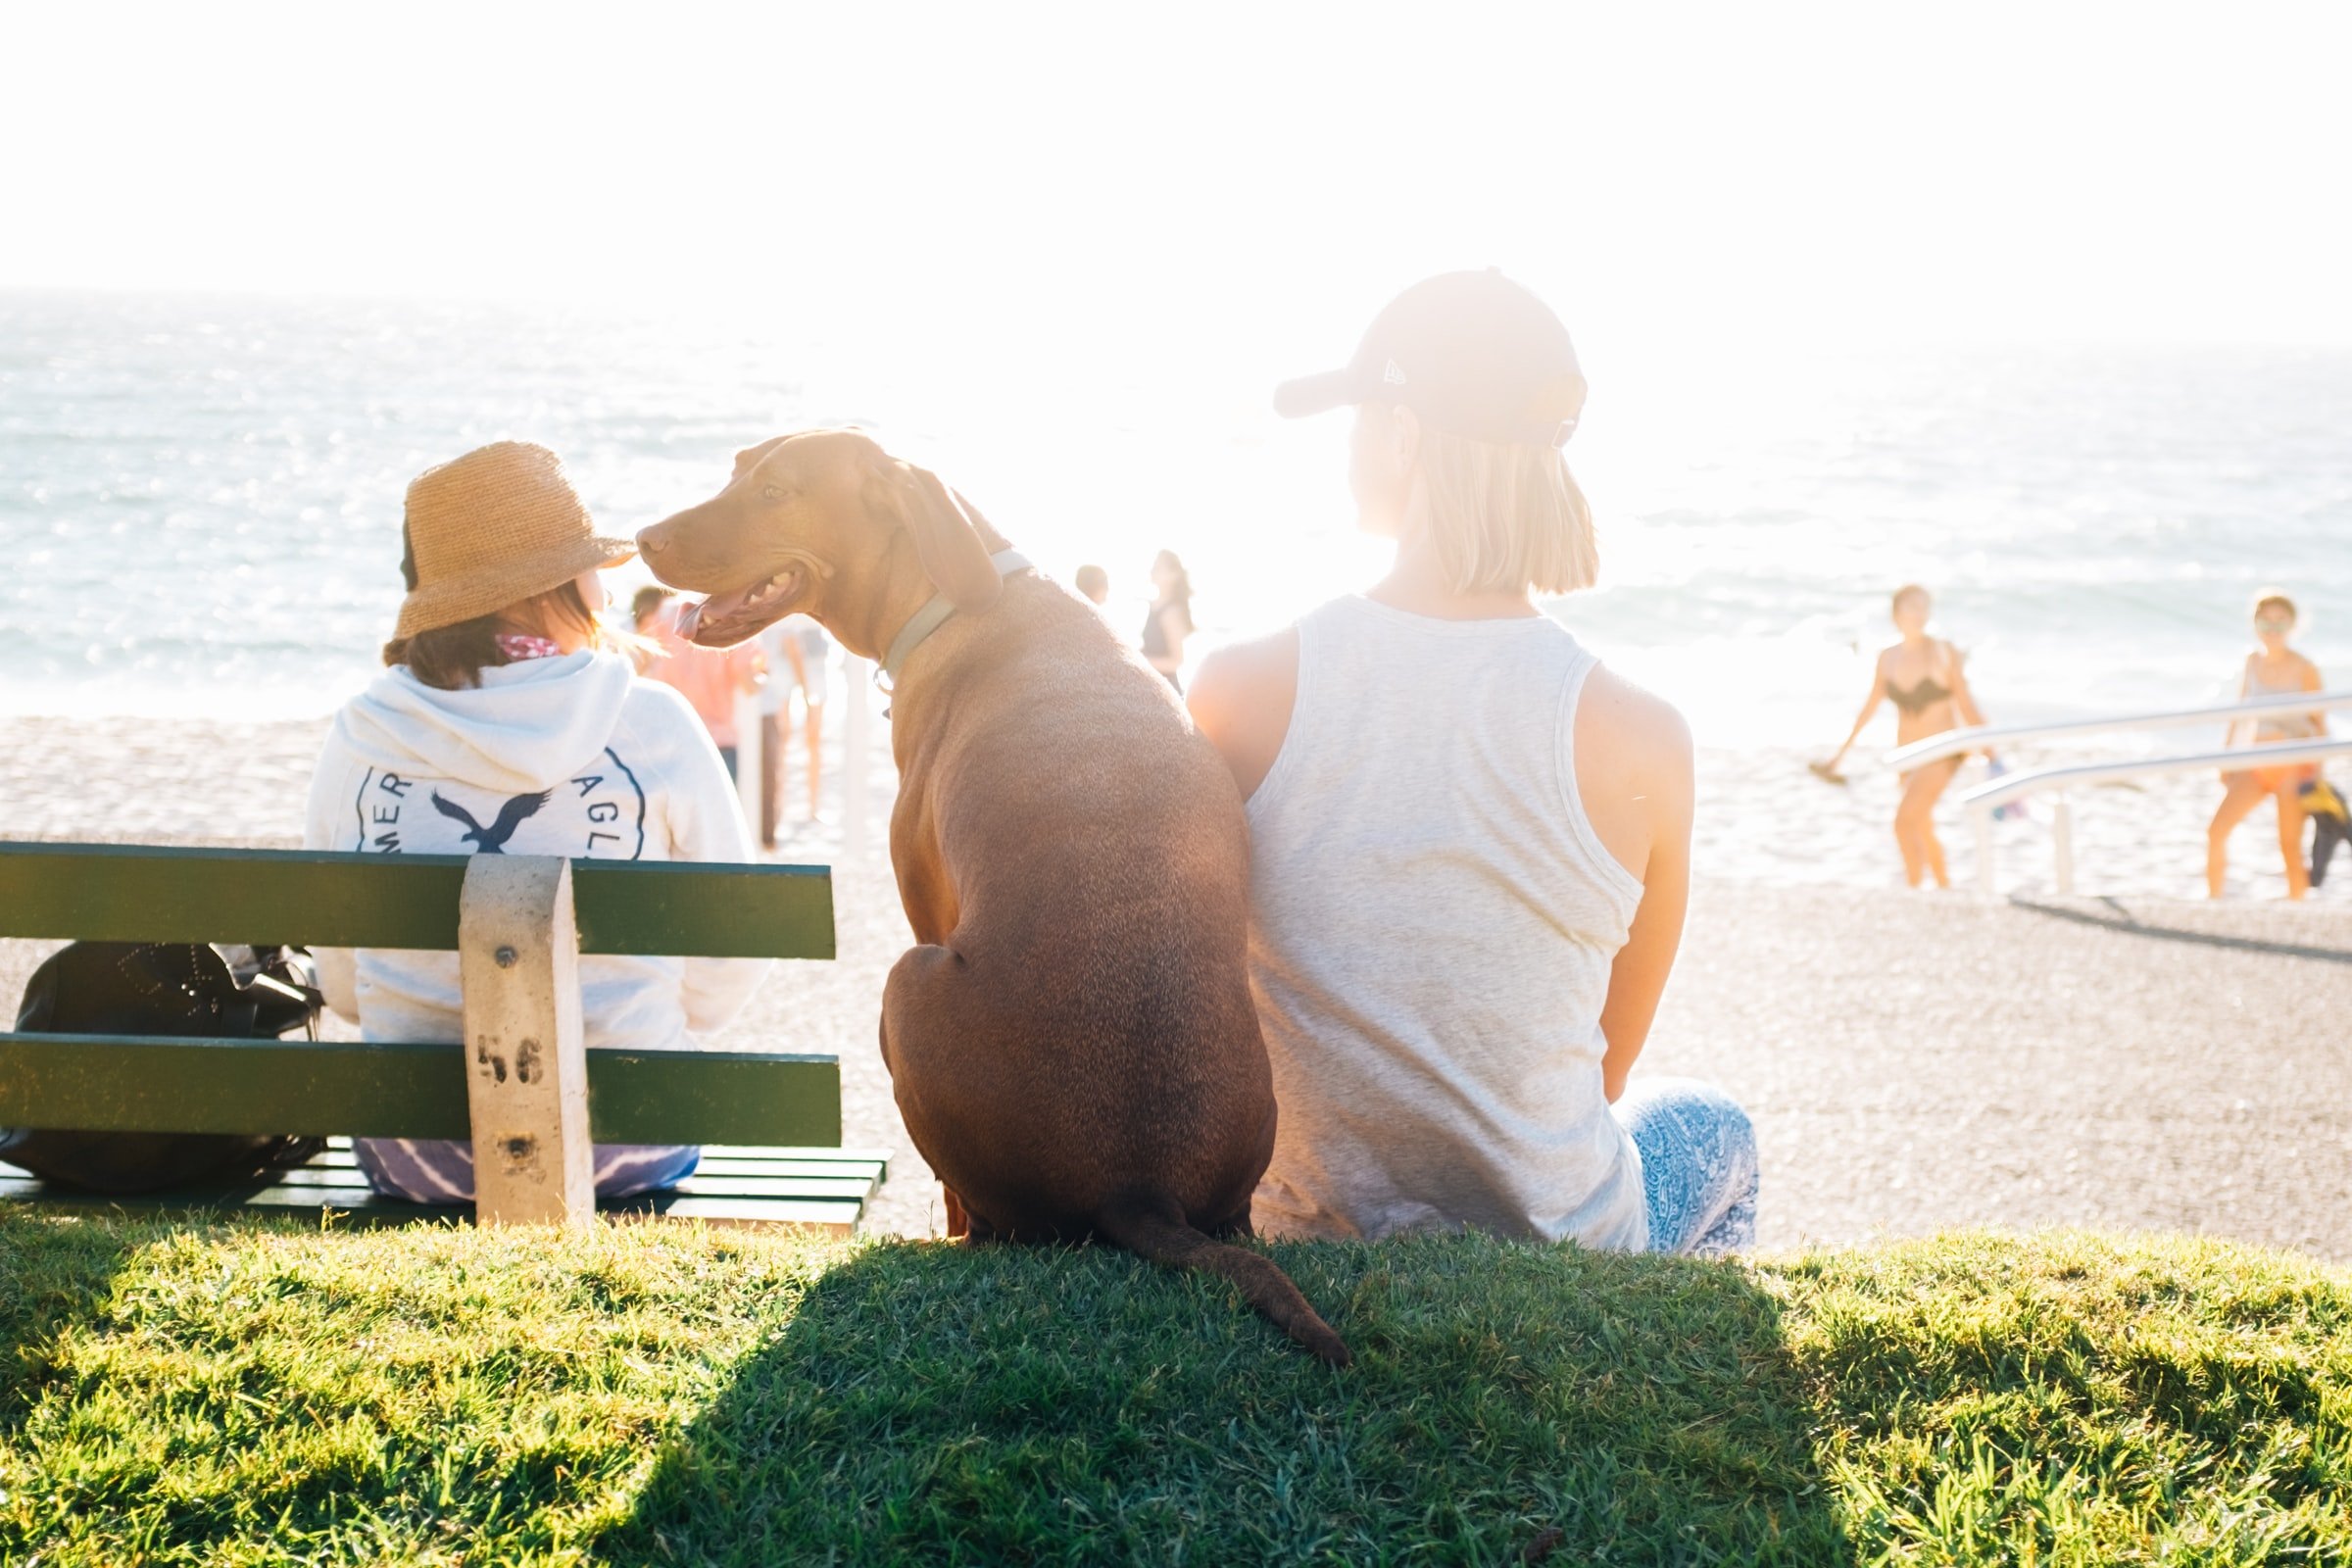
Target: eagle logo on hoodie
{"points": [[492, 840], [603, 807]]}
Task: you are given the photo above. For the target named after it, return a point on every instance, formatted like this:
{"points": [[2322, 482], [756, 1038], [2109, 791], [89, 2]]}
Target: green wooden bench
{"points": [[523, 1088]]}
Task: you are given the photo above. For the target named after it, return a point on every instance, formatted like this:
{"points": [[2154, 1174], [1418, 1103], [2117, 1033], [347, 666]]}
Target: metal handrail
{"points": [[1981, 800], [1974, 738]]}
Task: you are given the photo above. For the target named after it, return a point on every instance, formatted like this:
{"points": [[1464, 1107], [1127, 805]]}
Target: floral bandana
{"points": [[520, 646]]}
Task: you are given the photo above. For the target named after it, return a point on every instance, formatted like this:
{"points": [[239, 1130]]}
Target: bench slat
{"points": [[153, 893], [705, 910], [692, 1097], [736, 1165], [382, 1090], [720, 1185], [855, 1156], [312, 1178], [836, 1216], [358, 1205], [341, 1159], [719, 1159]]}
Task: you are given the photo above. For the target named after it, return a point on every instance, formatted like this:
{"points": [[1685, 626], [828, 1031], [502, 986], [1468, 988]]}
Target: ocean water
{"points": [[200, 497]]}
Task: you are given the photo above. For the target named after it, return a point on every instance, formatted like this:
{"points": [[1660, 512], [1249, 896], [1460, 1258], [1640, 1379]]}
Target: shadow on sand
{"points": [[1507, 1404], [2120, 918]]}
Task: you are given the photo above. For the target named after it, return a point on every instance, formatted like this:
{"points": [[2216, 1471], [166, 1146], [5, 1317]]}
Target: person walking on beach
{"points": [[510, 722], [1470, 842], [1170, 620], [1927, 680], [799, 658], [2271, 670]]}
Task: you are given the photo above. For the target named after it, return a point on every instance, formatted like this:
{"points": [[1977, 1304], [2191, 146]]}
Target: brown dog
{"points": [[1073, 1044]]}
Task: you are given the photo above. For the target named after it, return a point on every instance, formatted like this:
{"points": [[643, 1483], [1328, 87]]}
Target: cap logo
{"points": [[1393, 375]]}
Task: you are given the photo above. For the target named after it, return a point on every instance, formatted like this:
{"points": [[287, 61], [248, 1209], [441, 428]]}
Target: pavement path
{"points": [[1918, 1061]]}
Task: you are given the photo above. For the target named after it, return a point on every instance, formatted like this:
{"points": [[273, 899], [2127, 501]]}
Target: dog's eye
{"points": [[771, 492]]}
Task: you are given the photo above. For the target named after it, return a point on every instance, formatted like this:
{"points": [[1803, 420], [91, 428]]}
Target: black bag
{"points": [[181, 989]]}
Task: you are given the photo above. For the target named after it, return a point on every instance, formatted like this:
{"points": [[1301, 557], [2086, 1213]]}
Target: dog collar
{"points": [[931, 618]]}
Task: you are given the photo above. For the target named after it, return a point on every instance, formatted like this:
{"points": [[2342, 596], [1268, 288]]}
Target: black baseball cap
{"points": [[1473, 354]]}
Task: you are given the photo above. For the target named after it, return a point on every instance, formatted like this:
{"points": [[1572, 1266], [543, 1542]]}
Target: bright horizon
{"points": [[1093, 187], [1066, 258]]}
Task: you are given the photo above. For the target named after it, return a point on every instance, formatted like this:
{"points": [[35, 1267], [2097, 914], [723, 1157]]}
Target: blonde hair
{"points": [[2276, 595], [1503, 518]]}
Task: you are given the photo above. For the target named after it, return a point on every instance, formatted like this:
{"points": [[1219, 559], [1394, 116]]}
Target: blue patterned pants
{"points": [[440, 1170], [1698, 1165]]}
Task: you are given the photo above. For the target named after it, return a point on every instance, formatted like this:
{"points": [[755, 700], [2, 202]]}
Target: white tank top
{"points": [[1433, 922]]}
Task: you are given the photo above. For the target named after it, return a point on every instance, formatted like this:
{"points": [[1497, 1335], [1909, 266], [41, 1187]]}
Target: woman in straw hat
{"points": [[510, 723]]}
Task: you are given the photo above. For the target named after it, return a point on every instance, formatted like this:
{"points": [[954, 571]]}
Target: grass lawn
{"points": [[251, 1394]]}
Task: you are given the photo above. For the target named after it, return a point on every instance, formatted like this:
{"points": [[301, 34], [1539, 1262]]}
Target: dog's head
{"points": [[810, 522]]}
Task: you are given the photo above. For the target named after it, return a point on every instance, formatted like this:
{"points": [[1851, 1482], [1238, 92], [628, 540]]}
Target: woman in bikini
{"points": [[1923, 677], [2272, 669]]}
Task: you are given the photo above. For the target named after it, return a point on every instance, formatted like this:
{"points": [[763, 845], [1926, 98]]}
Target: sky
{"points": [[1149, 180]]}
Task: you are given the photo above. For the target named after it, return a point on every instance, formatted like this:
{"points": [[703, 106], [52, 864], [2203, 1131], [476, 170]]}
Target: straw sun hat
{"points": [[493, 528]]}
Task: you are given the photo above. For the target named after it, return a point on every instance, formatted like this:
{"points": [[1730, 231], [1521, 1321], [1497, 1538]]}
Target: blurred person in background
{"points": [[800, 659], [2271, 670], [710, 679], [1925, 678], [1095, 583], [644, 611], [1170, 620]]}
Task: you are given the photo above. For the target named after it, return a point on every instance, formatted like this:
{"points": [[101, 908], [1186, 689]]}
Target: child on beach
{"points": [[2270, 669], [508, 724], [1927, 680], [1470, 843]]}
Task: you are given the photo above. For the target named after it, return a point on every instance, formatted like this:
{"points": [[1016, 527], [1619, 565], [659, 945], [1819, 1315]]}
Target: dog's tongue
{"points": [[710, 614], [723, 619]]}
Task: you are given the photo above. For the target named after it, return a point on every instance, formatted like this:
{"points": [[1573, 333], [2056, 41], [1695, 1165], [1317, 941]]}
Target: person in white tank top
{"points": [[1470, 842]]}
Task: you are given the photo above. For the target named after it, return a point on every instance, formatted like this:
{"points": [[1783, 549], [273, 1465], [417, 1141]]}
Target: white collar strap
{"points": [[931, 618]]}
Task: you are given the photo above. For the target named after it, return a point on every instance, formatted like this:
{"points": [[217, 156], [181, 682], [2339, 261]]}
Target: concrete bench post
{"points": [[526, 1079]]}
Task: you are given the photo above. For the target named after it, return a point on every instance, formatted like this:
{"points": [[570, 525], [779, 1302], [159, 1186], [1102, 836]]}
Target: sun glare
{"points": [[1073, 179]]}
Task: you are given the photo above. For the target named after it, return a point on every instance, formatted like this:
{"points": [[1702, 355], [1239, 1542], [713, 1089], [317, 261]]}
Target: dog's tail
{"points": [[1151, 1226]]}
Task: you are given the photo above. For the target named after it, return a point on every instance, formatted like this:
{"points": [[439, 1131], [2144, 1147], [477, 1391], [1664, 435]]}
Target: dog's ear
{"points": [[947, 540]]}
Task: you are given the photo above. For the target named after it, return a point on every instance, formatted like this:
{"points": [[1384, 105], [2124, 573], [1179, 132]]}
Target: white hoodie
{"points": [[572, 756]]}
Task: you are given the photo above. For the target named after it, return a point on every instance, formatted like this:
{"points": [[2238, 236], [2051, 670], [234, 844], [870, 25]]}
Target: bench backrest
{"points": [[521, 1086], [337, 899]]}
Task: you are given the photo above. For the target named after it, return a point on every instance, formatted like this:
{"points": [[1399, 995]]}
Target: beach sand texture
{"points": [[1912, 1060]]}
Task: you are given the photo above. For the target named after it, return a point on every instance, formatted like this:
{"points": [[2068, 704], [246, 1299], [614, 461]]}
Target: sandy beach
{"points": [[1913, 1060]]}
